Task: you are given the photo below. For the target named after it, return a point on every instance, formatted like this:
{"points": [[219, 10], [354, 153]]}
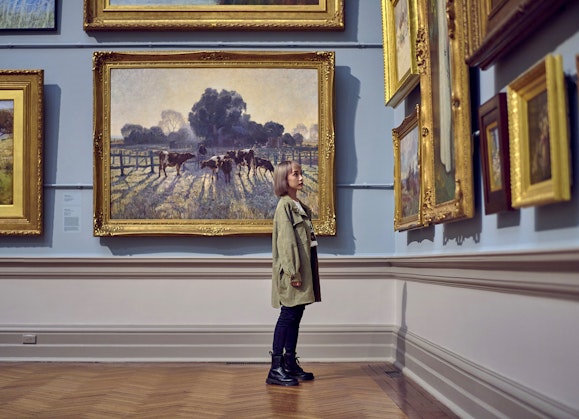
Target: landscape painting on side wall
{"points": [[399, 25], [408, 191], [190, 141]]}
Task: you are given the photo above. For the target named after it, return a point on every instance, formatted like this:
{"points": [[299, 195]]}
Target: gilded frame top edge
{"points": [[327, 16], [105, 61]]}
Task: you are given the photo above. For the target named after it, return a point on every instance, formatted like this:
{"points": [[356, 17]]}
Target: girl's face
{"points": [[295, 179]]}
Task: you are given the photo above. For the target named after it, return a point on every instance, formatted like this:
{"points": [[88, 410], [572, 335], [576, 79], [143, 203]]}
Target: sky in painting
{"points": [[286, 96], [6, 104], [30, 5]]}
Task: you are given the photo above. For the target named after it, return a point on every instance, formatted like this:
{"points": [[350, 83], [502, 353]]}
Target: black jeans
{"points": [[285, 335]]}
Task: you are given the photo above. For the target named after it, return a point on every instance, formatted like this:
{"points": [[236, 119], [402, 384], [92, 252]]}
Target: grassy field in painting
{"points": [[6, 170], [197, 194]]}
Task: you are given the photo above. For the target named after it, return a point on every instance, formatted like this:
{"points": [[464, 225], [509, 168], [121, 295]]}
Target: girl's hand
{"points": [[296, 280], [296, 283]]}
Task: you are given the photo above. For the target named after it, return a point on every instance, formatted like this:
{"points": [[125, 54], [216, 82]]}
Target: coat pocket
{"points": [[301, 230]]}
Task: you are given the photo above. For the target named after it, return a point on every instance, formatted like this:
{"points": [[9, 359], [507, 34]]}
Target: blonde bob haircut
{"points": [[280, 174]]}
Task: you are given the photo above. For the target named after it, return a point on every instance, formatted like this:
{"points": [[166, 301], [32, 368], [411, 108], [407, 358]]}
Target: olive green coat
{"points": [[291, 253]]}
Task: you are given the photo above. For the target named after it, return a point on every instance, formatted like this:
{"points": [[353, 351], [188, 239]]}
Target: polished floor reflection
{"points": [[208, 390]]}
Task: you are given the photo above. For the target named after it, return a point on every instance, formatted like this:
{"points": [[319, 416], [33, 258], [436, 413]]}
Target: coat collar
{"points": [[301, 209]]}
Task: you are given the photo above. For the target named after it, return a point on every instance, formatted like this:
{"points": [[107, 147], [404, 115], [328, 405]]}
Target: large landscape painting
{"points": [[232, 125], [198, 144]]}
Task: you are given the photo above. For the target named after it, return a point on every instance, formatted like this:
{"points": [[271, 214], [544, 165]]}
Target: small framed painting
{"points": [[399, 25], [539, 135], [28, 15], [21, 132], [407, 173], [494, 151]]}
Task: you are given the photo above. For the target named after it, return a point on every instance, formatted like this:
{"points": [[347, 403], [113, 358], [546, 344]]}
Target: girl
{"points": [[295, 280]]}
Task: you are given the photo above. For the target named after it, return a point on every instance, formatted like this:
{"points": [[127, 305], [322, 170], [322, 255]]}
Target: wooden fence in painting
{"points": [[127, 160], [123, 160]]}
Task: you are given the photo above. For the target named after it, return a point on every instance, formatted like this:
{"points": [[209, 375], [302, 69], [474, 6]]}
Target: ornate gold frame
{"points": [[447, 118], [410, 124], [494, 154], [26, 89], [108, 224], [545, 76], [494, 28], [327, 15], [397, 86]]}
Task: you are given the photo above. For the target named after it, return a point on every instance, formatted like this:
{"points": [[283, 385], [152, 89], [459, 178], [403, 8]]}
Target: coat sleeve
{"points": [[285, 242]]}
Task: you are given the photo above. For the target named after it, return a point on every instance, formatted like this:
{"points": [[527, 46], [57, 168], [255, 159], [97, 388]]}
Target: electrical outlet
{"points": [[29, 339]]}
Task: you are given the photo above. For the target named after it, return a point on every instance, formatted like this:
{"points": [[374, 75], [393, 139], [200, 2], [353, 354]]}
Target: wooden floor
{"points": [[208, 390]]}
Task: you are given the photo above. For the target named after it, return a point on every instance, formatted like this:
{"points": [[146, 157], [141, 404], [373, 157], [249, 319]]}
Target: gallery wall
{"points": [[554, 226], [363, 173], [63, 285], [476, 299], [479, 329], [364, 165]]}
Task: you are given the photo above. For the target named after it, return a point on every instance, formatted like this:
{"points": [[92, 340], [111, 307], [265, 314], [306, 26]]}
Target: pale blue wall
{"points": [[547, 227], [364, 165], [363, 150]]}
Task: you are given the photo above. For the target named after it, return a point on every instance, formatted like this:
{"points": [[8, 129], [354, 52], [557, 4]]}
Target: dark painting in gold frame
{"points": [[208, 106], [21, 151], [494, 153], [272, 15]]}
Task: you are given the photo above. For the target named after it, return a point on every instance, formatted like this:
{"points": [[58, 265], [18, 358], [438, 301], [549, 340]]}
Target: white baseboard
{"points": [[200, 344], [468, 389]]}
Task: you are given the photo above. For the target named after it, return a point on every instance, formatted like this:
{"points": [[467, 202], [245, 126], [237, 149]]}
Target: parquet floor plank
{"points": [[207, 390]]}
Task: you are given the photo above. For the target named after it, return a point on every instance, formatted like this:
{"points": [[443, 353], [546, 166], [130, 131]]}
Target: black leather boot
{"points": [[277, 374], [293, 369]]}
